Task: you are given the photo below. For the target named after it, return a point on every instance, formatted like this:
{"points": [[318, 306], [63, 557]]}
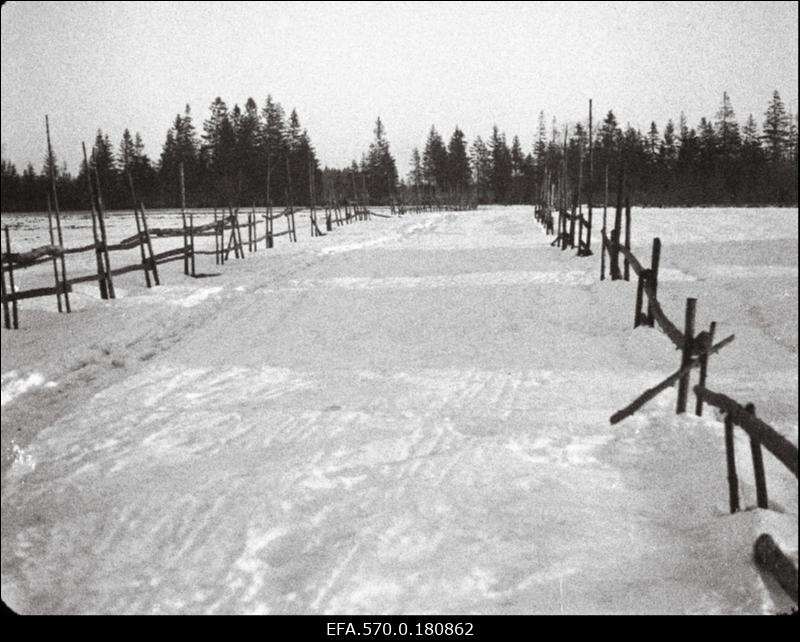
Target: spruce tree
{"points": [[776, 128], [481, 162], [434, 161], [273, 149], [458, 163], [727, 129]]}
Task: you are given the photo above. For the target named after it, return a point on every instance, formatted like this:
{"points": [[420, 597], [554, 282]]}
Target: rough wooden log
{"points": [[730, 458], [773, 560], [783, 449], [686, 354], [653, 392]]}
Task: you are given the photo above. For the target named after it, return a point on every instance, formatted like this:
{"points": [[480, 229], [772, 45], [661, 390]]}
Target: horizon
{"points": [[424, 70]]}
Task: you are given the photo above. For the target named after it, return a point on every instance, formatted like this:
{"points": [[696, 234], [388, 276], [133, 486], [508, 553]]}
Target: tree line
{"points": [[714, 163], [259, 155], [241, 156]]}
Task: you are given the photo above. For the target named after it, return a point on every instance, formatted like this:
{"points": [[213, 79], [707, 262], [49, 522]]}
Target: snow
{"points": [[408, 415]]}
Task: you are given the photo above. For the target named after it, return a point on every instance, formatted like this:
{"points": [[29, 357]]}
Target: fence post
{"points": [[149, 242], [771, 558], [627, 235], [58, 280], [101, 221], [730, 457], [191, 241], [183, 221], [14, 310], [638, 315], [686, 355], [4, 296], [655, 258], [762, 500], [216, 238], [145, 265], [708, 341]]}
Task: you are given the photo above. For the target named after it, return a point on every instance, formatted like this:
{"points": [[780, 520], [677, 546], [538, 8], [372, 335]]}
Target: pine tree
{"points": [[458, 163], [776, 128], [434, 161], [727, 129], [669, 149], [415, 174], [380, 166], [103, 161], [501, 166], [273, 145], [540, 147], [248, 132], [653, 144], [481, 162], [792, 138]]}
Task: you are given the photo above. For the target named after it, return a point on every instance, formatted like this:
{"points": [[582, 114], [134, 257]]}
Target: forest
{"points": [[258, 155]]}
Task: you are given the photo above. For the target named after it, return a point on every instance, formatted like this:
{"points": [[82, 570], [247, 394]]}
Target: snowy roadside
{"points": [[404, 416]]}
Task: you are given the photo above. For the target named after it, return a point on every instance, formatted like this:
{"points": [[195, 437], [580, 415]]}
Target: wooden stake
{"points": [[613, 251], [730, 457], [605, 231], [141, 247], [149, 243], [141, 243], [590, 191], [772, 559], [183, 221], [708, 341], [4, 294], [637, 313], [762, 500], [14, 309], [101, 282], [655, 258], [216, 238], [191, 241], [51, 170], [102, 225], [53, 242], [686, 355], [627, 267]]}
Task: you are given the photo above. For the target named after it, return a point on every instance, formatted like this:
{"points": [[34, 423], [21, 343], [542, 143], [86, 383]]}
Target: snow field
{"points": [[405, 416]]}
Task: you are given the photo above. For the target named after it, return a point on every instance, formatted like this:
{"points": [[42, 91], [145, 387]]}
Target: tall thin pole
{"points": [[97, 251], [183, 221], [57, 211], [589, 194], [102, 222], [136, 219]]}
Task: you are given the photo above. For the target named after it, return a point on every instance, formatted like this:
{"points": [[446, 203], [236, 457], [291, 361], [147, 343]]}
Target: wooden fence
{"points": [[695, 349]]}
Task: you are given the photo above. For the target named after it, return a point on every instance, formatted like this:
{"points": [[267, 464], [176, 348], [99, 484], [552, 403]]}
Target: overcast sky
{"points": [[114, 65]]}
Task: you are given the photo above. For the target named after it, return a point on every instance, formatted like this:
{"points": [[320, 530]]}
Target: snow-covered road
{"points": [[405, 416]]}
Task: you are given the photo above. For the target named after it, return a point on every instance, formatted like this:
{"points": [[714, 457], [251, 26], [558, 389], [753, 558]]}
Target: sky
{"points": [[112, 65]]}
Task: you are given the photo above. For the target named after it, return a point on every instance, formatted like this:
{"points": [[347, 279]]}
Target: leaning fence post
{"points": [[12, 293], [771, 558], [183, 220], [58, 281], [627, 236], [101, 221], [4, 296], [191, 241], [145, 265], [707, 343], [149, 241], [638, 315], [730, 457], [655, 258], [762, 500], [686, 355]]}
